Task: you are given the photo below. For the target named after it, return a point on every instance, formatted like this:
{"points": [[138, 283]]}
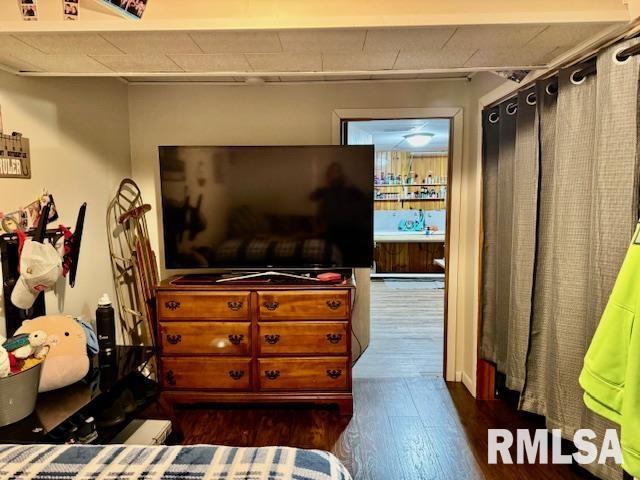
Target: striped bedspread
{"points": [[193, 462]]}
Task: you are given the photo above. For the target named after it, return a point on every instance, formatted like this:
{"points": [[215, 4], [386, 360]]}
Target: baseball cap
{"points": [[40, 269]]}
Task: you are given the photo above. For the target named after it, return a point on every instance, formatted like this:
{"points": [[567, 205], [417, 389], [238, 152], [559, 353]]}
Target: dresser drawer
{"points": [[313, 373], [203, 305], [302, 338], [202, 338], [307, 305], [206, 373]]}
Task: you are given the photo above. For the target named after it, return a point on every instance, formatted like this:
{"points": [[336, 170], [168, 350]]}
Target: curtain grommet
{"points": [[511, 109], [493, 117], [531, 99], [616, 58], [551, 88], [575, 80]]}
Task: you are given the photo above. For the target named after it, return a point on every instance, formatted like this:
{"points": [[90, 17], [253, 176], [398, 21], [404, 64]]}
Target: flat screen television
{"points": [[265, 208]]}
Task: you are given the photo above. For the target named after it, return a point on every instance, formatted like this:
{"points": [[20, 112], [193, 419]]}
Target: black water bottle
{"points": [[106, 325]]}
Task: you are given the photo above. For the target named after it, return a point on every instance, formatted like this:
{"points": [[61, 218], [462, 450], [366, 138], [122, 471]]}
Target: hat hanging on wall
{"points": [[40, 269]]}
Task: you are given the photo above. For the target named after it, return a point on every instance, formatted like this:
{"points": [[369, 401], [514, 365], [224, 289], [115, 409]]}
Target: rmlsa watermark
{"points": [[535, 449]]}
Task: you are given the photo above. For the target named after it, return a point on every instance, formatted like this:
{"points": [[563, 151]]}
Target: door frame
{"points": [[453, 329]]}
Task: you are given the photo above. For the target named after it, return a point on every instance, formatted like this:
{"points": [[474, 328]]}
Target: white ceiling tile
{"points": [[285, 62], [61, 43], [138, 63], [322, 40], [152, 42], [358, 61], [220, 62], [395, 76], [17, 64], [10, 45], [237, 42], [444, 75], [493, 36], [502, 58], [423, 59], [394, 39], [346, 77], [67, 63], [566, 35]]}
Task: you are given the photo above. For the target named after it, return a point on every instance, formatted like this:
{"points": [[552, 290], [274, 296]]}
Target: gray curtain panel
{"points": [[504, 227], [534, 395], [523, 241], [490, 153]]}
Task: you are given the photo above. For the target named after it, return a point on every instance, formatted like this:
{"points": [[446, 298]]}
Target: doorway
{"points": [[411, 180]]}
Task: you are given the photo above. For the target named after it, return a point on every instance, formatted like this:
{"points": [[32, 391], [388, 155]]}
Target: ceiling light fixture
{"points": [[419, 139]]}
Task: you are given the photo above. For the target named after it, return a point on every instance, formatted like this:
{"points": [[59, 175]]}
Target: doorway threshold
{"points": [[434, 276]]}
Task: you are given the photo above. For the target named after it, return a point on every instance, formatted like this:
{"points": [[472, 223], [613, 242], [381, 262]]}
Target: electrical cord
{"points": [[353, 307]]}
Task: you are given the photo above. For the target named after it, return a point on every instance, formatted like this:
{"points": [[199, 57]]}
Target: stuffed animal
{"points": [[5, 366], [66, 361], [27, 345]]}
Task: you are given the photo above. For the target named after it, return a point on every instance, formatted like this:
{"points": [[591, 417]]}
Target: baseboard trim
{"points": [[468, 382]]}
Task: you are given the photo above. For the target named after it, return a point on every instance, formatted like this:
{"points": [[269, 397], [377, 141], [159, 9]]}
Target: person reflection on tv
{"points": [[342, 216]]}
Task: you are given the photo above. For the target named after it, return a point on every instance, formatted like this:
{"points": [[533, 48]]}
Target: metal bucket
{"points": [[18, 395]]}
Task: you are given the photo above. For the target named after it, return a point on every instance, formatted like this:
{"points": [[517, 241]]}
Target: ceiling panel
{"points": [[358, 61], [285, 62], [493, 36], [565, 35], [502, 58], [138, 63], [424, 59], [61, 43], [152, 42], [237, 42], [322, 40], [221, 62], [68, 64], [394, 39], [10, 45], [17, 64]]}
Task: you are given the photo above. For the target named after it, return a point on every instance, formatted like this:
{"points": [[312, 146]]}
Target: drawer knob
{"points": [[236, 339], [236, 374], [271, 305], [334, 373], [174, 339], [235, 306], [172, 305], [334, 304], [272, 374], [272, 339], [334, 337], [171, 380]]}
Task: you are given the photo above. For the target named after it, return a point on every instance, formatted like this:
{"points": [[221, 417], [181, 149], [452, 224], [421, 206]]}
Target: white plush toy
{"points": [[35, 346], [5, 366]]}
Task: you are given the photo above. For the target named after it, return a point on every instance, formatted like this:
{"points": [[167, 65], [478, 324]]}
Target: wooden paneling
{"points": [[206, 373], [311, 305], [408, 257], [317, 373], [329, 338], [205, 338], [203, 305]]}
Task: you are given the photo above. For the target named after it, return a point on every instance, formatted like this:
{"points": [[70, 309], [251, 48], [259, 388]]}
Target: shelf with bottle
{"points": [[411, 179], [425, 193], [410, 199], [389, 185]]}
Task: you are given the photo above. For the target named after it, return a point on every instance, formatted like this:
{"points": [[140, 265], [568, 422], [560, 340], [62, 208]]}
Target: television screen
{"points": [[291, 207]]}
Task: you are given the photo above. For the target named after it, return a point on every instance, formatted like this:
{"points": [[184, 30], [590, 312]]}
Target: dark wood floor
{"points": [[407, 425]]}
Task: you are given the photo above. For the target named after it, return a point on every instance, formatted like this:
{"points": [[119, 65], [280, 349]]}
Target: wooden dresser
{"points": [[262, 343]]}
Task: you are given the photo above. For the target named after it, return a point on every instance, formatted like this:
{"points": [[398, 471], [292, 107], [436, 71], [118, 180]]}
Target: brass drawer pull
{"points": [[272, 339], [236, 339], [236, 374], [272, 374], [334, 304], [334, 337], [174, 339], [172, 305], [271, 306], [334, 373], [235, 306], [171, 380]]}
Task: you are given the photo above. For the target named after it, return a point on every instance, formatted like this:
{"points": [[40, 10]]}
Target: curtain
{"points": [[570, 172]]}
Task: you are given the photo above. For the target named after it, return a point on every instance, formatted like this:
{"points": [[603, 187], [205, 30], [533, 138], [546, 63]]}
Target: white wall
{"points": [[299, 114], [79, 134]]}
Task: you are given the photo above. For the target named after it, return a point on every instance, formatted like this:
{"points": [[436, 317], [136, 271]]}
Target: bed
{"points": [[193, 462]]}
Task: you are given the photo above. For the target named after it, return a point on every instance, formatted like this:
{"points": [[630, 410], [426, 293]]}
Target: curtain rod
{"points": [[590, 69]]}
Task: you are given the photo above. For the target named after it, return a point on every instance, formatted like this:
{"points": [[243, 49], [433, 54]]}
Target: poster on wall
{"points": [[28, 9], [15, 161], [129, 8], [70, 9]]}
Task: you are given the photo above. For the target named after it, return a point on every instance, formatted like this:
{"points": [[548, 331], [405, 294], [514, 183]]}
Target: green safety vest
{"points": [[611, 373]]}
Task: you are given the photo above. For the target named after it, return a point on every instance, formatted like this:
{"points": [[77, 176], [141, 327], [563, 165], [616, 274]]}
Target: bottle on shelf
{"points": [[429, 178]]}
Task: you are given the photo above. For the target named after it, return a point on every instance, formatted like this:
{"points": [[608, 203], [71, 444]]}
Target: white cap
{"points": [[104, 300], [40, 269]]}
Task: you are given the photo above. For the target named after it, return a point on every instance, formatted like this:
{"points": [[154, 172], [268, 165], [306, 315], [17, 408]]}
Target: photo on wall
{"points": [[71, 9], [129, 8], [28, 9]]}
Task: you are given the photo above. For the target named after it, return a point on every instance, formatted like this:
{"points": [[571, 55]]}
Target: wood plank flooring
{"points": [[408, 424]]}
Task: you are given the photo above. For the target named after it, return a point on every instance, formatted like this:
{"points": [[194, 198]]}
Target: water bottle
{"points": [[106, 325]]}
